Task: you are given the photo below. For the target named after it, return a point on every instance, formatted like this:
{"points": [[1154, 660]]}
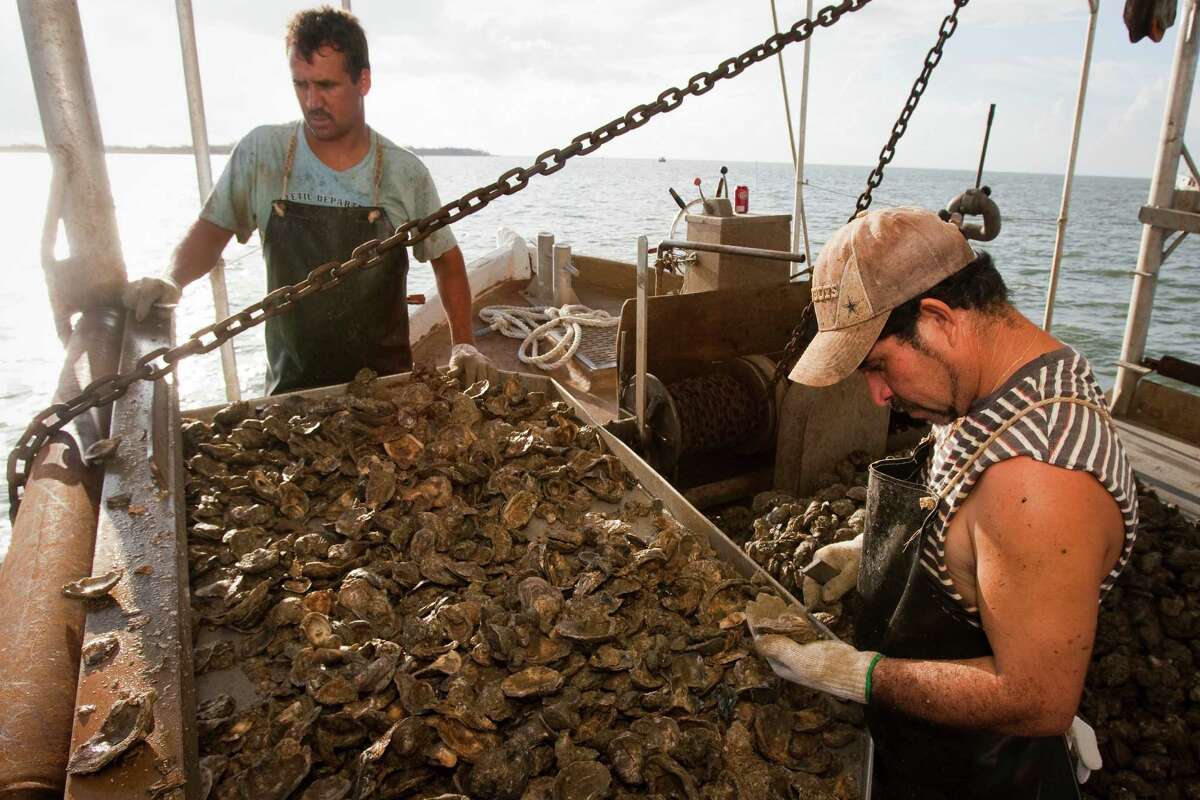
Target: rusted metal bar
{"points": [[141, 537], [52, 538]]}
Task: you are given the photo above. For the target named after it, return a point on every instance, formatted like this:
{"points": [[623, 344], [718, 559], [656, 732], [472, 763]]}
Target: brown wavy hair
{"points": [[315, 28]]}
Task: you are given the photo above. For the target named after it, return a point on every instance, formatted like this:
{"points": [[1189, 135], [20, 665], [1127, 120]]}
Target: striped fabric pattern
{"points": [[1065, 435]]}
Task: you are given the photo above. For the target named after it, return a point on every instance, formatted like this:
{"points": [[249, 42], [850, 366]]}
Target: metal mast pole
{"points": [[1060, 236], [1162, 195], [799, 220], [195, 99], [71, 127], [803, 126]]}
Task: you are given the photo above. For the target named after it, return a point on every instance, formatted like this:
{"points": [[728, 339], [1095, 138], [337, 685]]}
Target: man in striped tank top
{"points": [[987, 552]]}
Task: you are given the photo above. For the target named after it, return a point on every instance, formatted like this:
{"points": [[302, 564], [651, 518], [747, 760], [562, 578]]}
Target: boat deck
{"points": [[597, 390], [1167, 465]]}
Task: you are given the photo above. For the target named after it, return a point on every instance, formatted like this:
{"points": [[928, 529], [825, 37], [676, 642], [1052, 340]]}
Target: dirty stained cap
{"points": [[870, 265]]}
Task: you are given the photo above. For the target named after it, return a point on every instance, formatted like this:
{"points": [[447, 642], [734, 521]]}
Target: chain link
{"points": [[932, 58], [368, 255]]}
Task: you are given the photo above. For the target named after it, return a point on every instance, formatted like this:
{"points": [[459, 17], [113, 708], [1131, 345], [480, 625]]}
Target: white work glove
{"points": [[140, 295], [470, 366], [832, 667], [845, 558], [1081, 741]]}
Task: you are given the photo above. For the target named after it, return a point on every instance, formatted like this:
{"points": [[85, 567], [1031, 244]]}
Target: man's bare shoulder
{"points": [[1022, 494]]}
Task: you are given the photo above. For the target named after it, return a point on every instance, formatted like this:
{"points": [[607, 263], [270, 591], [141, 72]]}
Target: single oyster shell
{"points": [[532, 681], [129, 721], [101, 451], [99, 649], [279, 775], [769, 614], [92, 588], [583, 780]]}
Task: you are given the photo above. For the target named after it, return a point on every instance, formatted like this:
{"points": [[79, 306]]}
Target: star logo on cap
{"points": [[851, 307]]}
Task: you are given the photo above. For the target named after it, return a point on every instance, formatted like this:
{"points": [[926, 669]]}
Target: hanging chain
{"points": [[798, 340], [949, 25], [367, 255]]}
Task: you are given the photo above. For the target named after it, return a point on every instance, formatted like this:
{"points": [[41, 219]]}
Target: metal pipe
{"points": [[564, 272], [204, 181], [640, 358], [52, 541], [50, 265], [543, 285], [1162, 194], [71, 127], [733, 250], [1187, 157], [801, 138], [987, 134], [1060, 236], [799, 217]]}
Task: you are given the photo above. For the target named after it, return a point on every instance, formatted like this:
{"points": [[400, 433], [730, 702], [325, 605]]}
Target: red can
{"points": [[741, 200]]}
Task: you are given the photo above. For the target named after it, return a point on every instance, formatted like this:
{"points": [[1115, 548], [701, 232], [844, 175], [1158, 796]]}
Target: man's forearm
{"points": [[197, 254], [969, 694], [450, 270]]}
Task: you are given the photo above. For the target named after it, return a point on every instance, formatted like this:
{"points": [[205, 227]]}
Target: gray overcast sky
{"points": [[517, 77]]}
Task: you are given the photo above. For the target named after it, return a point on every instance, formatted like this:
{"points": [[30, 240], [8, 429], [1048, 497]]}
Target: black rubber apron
{"points": [[363, 322], [903, 615]]}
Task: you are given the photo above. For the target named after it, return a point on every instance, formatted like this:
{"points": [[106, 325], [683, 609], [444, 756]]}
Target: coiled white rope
{"points": [[562, 328]]}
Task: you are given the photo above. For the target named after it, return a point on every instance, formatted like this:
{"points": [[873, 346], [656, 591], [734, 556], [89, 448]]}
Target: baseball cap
{"points": [[874, 263]]}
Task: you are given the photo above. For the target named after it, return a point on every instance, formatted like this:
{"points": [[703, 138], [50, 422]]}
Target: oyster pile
{"points": [[781, 532], [1143, 688], [440, 595]]}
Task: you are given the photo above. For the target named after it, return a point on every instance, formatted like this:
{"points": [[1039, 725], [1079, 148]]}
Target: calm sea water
{"points": [[600, 206]]}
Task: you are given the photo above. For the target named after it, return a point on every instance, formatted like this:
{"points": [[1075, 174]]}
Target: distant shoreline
{"points": [[223, 149]]}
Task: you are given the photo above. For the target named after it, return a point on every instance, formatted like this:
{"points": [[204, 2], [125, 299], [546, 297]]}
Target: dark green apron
{"points": [[363, 322], [903, 615]]}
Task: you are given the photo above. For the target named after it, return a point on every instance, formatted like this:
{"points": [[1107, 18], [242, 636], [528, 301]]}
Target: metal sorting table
{"points": [[151, 612]]}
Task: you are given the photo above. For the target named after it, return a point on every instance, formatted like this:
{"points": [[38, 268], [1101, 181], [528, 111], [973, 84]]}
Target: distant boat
{"points": [[662, 159]]}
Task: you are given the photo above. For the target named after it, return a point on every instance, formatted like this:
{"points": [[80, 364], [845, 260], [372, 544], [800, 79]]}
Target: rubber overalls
{"points": [[903, 615], [363, 322]]}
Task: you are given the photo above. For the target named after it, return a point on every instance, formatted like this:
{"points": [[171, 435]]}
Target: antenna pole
{"points": [[987, 133]]}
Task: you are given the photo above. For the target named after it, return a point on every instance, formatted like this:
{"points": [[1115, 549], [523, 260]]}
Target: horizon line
{"points": [[225, 149]]}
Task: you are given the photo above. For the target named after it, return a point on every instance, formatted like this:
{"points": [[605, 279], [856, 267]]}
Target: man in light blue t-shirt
{"points": [[314, 190]]}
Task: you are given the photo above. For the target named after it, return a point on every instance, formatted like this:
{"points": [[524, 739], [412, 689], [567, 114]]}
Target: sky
{"points": [[516, 77]]}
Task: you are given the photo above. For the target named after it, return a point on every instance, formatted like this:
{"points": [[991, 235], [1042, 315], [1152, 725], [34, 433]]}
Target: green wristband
{"points": [[871, 672]]}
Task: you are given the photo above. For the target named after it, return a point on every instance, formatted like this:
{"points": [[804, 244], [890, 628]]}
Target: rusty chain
{"points": [[798, 340], [949, 25], [160, 362]]}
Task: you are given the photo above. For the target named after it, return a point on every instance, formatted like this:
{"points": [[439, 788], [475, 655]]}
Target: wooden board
{"points": [[1165, 408], [604, 273], [710, 326], [1167, 465]]}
